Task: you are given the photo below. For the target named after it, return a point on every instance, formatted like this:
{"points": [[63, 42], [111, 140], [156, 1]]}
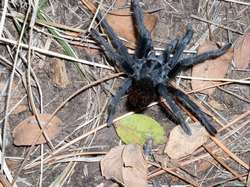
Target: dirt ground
{"points": [[87, 110]]}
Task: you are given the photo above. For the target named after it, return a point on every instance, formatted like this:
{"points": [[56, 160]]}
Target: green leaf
{"points": [[137, 128]]}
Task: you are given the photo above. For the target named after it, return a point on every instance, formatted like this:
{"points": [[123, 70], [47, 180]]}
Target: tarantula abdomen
{"points": [[141, 94]]}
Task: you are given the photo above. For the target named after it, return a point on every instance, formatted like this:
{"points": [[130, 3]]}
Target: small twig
{"points": [[236, 130], [96, 13], [216, 79], [212, 86], [54, 54], [3, 16], [216, 24], [237, 2], [240, 117]]}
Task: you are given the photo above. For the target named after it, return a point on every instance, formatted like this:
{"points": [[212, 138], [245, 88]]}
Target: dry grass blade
{"points": [[61, 179], [216, 24]]}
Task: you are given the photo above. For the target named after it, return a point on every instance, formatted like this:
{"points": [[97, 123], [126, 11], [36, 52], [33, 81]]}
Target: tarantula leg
{"points": [[116, 42], [205, 56], [116, 98], [198, 113], [145, 44], [181, 45], [163, 91], [109, 51], [187, 62], [169, 50]]}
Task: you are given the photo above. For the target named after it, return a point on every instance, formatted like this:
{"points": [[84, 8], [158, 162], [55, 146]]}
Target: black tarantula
{"points": [[148, 74]]}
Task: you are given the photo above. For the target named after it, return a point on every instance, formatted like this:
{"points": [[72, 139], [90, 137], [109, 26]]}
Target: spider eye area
{"points": [[142, 93]]}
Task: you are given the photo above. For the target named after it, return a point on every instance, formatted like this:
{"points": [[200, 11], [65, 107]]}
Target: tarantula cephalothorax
{"points": [[148, 74]]}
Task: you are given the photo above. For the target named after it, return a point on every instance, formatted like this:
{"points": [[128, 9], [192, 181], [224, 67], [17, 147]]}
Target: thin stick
{"points": [[96, 13], [235, 120], [216, 24], [237, 2], [58, 55], [215, 79], [212, 86], [3, 16]]}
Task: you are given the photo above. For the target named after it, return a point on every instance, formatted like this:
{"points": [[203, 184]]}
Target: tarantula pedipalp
{"points": [[148, 74]]}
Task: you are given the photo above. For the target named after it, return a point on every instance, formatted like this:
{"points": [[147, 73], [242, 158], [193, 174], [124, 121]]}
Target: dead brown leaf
{"points": [[20, 108], [242, 51], [122, 23], [126, 164], [111, 164], [214, 68], [180, 144], [28, 130], [59, 73], [135, 166]]}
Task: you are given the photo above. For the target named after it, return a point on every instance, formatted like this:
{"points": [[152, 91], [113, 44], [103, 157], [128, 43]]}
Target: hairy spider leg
{"points": [[116, 98], [168, 51], [166, 55], [197, 112], [166, 94], [181, 45], [145, 44], [187, 62], [115, 40], [109, 51]]}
